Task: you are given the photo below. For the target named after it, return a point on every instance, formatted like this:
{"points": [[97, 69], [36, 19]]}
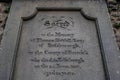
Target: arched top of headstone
{"points": [[26, 18]]}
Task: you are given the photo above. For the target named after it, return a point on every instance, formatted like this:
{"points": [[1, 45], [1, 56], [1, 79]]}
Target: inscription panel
{"points": [[59, 46]]}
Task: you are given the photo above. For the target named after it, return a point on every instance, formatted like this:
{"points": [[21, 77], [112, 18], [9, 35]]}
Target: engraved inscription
{"points": [[72, 46], [59, 22], [59, 46]]}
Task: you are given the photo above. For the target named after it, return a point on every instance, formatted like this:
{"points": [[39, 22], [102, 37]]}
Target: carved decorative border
{"points": [[37, 10]]}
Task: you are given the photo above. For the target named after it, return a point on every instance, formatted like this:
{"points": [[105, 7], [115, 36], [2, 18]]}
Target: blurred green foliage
{"points": [[117, 25]]}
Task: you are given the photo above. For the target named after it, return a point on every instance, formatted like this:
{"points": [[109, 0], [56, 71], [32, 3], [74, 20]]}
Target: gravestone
{"points": [[59, 40]]}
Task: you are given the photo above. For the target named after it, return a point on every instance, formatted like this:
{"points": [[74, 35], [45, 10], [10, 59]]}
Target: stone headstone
{"points": [[59, 40]]}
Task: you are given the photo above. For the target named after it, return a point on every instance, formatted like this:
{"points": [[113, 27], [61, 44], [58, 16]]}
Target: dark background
{"points": [[5, 0]]}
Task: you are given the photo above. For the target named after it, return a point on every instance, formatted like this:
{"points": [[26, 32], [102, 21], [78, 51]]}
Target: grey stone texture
{"points": [[92, 24]]}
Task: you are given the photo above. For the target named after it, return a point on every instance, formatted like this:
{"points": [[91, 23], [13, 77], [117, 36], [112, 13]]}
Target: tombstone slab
{"points": [[59, 39]]}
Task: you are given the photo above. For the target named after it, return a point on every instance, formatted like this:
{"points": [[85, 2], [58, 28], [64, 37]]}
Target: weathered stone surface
{"points": [[56, 39], [59, 45]]}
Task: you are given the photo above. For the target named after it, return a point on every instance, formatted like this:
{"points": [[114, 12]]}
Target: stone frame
{"points": [[38, 9]]}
